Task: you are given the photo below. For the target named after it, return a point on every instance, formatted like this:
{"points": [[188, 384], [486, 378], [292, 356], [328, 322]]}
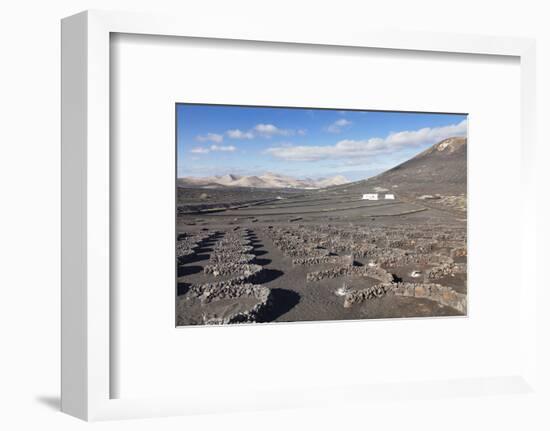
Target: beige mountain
{"points": [[269, 180]]}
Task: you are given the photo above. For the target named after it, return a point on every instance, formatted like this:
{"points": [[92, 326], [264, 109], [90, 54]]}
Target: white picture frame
{"points": [[86, 312]]}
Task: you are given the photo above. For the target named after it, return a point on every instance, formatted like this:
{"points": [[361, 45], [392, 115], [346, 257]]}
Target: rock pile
{"points": [[257, 298], [358, 296], [435, 292], [231, 256], [244, 272], [296, 243], [240, 297], [327, 260], [376, 273], [187, 244]]}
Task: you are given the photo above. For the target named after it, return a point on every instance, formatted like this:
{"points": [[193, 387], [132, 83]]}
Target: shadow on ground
{"points": [[50, 401], [268, 275], [282, 301], [183, 288], [188, 270]]}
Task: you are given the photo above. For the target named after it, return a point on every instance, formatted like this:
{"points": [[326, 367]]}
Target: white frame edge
{"points": [[85, 194]]}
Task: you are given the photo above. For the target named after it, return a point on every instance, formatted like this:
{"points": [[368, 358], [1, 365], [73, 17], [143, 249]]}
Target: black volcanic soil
{"points": [[424, 235], [294, 298]]}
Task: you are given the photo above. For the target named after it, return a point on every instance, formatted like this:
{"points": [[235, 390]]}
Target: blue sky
{"points": [[314, 143]]}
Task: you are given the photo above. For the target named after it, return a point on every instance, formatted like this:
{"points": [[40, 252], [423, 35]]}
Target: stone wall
{"points": [[376, 273], [444, 295]]}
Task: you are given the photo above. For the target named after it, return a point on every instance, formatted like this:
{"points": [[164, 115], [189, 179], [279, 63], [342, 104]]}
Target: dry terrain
{"points": [[249, 254]]}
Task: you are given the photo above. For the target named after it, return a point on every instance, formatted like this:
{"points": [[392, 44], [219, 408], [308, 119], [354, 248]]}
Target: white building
{"points": [[374, 196], [370, 196]]}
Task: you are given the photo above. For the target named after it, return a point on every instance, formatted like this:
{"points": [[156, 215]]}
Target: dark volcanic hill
{"points": [[441, 169]]}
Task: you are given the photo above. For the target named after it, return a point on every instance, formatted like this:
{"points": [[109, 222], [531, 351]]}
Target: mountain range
{"points": [[440, 169], [268, 180]]}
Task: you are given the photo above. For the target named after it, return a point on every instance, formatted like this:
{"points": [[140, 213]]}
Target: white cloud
{"points": [[239, 134], [338, 125], [224, 148], [268, 130], [263, 131], [214, 148], [210, 137], [348, 148]]}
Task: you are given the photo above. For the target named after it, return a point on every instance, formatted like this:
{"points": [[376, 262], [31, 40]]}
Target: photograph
{"points": [[291, 214]]}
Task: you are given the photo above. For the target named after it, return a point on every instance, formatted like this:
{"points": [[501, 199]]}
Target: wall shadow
{"points": [[188, 270], [268, 275], [193, 258], [183, 288], [282, 301]]}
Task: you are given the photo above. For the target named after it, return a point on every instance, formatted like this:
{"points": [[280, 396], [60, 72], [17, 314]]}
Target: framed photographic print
{"points": [[296, 214], [253, 215]]}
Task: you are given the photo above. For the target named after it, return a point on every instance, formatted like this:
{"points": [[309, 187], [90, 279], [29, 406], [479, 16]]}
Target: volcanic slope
{"points": [[436, 178], [441, 169]]}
